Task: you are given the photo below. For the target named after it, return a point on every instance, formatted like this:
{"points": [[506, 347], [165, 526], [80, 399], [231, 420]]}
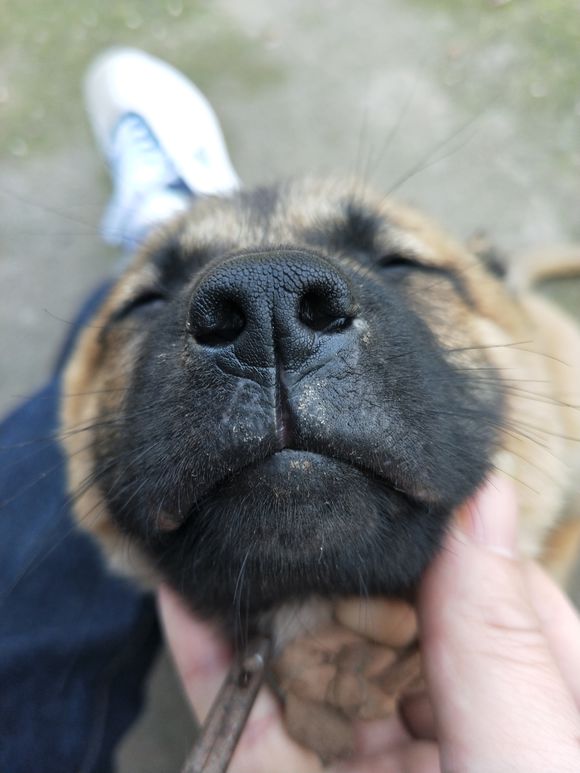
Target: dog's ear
{"points": [[494, 260], [522, 271], [527, 269]]}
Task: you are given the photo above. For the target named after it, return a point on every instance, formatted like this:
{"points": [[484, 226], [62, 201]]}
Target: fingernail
{"points": [[489, 518]]}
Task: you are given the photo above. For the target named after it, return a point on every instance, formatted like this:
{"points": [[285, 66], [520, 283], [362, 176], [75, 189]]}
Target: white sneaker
{"points": [[160, 137]]}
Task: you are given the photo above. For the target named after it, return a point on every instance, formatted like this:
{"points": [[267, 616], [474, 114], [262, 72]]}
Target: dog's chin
{"points": [[299, 525], [294, 505]]}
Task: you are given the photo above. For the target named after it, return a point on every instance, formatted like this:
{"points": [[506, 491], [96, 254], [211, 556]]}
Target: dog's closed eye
{"points": [[395, 260], [146, 300]]}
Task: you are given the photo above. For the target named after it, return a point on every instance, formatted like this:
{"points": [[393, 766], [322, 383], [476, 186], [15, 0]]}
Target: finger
{"points": [[202, 660], [379, 736], [385, 621], [201, 656], [497, 693], [560, 623], [418, 718], [265, 745], [414, 757]]}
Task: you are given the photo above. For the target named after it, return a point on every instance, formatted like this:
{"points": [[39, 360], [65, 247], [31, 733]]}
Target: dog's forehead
{"points": [[331, 216]]}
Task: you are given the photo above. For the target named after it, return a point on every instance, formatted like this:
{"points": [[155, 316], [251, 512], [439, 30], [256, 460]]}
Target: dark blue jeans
{"points": [[76, 642]]}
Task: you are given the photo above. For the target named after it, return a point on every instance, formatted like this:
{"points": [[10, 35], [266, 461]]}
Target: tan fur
{"points": [[547, 263], [535, 347], [562, 548]]}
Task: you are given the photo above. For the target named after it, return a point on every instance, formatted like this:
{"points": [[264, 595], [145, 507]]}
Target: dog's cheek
{"points": [[94, 385]]}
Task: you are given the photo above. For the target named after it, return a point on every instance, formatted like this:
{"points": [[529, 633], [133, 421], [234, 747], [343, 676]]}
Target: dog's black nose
{"points": [[273, 305]]}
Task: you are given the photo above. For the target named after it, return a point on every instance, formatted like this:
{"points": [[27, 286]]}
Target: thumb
{"points": [[498, 698]]}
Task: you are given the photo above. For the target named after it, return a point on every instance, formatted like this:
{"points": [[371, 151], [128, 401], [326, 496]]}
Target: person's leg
{"points": [[161, 139], [76, 642]]}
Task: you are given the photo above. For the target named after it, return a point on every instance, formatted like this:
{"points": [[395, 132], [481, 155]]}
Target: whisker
{"points": [[430, 159]]}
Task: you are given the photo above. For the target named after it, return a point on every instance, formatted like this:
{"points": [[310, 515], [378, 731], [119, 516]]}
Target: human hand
{"points": [[202, 659], [501, 650], [501, 657]]}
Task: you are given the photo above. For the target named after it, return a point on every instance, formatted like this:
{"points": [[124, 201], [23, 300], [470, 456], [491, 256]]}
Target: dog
{"points": [[289, 391]]}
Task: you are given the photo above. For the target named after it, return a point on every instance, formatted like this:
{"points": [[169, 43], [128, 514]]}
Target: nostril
{"points": [[220, 325], [321, 313]]}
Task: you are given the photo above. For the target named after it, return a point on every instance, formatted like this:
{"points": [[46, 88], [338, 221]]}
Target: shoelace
{"points": [[136, 157], [146, 186]]}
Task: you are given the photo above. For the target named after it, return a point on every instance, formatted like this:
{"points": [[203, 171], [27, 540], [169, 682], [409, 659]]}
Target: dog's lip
{"points": [[171, 521], [305, 453], [367, 472]]}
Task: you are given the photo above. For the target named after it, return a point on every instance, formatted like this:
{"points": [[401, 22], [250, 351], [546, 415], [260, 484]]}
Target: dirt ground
{"points": [[469, 109]]}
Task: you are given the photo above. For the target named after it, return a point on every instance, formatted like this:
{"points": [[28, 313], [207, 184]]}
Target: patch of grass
{"points": [[45, 48], [525, 53]]}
